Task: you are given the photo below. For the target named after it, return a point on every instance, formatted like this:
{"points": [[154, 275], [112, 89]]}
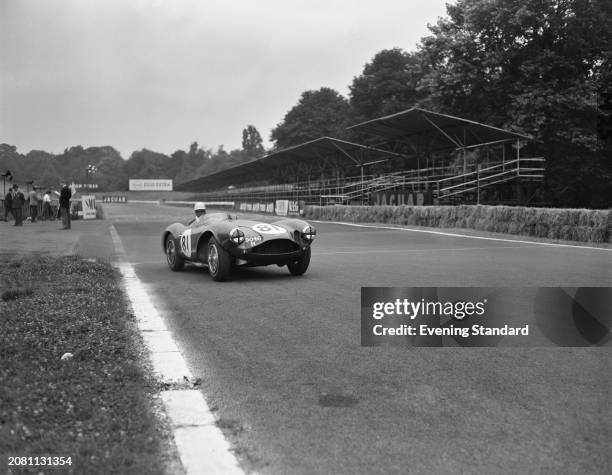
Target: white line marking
{"points": [[401, 251], [201, 445], [395, 228]]}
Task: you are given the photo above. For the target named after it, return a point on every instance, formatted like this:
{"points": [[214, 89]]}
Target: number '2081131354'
{"points": [[38, 461]]}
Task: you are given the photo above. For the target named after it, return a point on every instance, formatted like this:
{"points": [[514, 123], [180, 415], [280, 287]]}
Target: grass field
{"points": [[73, 378]]}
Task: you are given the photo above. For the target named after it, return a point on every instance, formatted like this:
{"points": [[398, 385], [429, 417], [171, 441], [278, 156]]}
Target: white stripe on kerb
{"points": [[200, 443]]}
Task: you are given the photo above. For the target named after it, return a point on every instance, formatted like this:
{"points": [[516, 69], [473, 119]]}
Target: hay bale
{"points": [[567, 224]]}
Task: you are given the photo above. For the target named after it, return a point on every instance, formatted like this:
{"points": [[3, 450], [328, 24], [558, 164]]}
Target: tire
{"points": [[299, 267], [219, 261], [176, 262]]}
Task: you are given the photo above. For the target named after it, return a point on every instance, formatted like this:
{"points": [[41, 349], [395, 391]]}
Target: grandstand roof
{"points": [[344, 154], [448, 131]]}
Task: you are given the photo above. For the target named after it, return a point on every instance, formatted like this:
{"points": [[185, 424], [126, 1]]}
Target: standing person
{"points": [[46, 205], [8, 204], [33, 197], [17, 205], [64, 202]]}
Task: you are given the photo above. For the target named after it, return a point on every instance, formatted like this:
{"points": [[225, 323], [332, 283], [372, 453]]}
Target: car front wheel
{"points": [[176, 262], [299, 267], [218, 259]]}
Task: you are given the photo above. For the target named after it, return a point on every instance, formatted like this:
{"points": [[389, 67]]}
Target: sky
{"points": [[161, 74]]}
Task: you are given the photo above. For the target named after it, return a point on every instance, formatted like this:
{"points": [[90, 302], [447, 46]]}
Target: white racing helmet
{"points": [[199, 206]]}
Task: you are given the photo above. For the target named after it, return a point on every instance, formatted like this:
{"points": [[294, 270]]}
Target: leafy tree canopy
{"points": [[536, 67], [318, 113], [252, 143], [524, 63], [387, 85]]}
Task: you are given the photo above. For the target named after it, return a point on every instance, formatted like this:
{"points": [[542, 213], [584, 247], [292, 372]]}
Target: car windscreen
{"points": [[214, 218]]}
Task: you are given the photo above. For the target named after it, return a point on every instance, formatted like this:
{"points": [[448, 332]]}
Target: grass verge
{"points": [[97, 407]]}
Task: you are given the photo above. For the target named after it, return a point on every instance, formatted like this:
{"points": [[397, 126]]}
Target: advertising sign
{"points": [[295, 208], [89, 206], [398, 198], [114, 199], [267, 207], [150, 185], [282, 207]]}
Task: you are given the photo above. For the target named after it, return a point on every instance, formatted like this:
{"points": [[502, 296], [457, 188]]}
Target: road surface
{"points": [[281, 364]]}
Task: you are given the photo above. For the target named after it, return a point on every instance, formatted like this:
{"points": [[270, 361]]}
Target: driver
{"points": [[200, 210]]}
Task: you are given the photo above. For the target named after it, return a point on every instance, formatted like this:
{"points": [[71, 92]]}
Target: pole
{"points": [[362, 187], [478, 184], [518, 157]]}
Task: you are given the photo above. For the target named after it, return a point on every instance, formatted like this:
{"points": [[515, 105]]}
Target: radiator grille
{"points": [[276, 246]]}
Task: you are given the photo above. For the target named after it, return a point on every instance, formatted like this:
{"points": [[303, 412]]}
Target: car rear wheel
{"points": [[299, 267], [218, 259], [176, 262]]}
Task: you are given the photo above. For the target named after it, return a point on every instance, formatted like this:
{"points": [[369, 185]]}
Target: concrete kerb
{"points": [[201, 445]]}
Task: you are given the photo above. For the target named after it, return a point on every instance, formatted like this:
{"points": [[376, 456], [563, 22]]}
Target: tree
{"points": [[318, 113], [252, 143], [387, 85], [111, 173], [195, 160], [532, 66]]}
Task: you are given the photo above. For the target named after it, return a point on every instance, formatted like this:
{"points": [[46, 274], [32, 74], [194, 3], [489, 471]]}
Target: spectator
{"points": [[8, 204], [64, 202], [46, 206], [17, 205], [33, 197]]}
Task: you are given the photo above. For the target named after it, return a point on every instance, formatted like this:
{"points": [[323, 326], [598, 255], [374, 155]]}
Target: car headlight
{"points": [[236, 236], [309, 233]]}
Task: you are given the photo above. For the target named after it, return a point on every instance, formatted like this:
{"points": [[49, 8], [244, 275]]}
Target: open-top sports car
{"points": [[220, 242]]}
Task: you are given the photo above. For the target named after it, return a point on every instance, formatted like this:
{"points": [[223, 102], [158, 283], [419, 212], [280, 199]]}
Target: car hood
{"points": [[264, 230]]}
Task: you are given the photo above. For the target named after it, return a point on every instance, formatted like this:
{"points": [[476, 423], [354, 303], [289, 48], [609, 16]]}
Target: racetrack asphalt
{"points": [[281, 363]]}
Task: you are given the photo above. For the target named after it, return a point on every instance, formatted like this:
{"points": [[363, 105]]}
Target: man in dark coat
{"points": [[8, 203], [64, 202], [17, 205]]}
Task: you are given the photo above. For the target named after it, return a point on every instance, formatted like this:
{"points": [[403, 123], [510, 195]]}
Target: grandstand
{"points": [[437, 157]]}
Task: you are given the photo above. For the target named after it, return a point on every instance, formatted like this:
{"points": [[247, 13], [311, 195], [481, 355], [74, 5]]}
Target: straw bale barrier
{"points": [[584, 225]]}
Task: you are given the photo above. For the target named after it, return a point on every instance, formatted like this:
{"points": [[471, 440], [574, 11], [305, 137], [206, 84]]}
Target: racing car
{"points": [[221, 242]]}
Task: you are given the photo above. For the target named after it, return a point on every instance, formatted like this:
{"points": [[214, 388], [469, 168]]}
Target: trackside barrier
{"points": [[229, 204], [277, 207], [582, 225]]}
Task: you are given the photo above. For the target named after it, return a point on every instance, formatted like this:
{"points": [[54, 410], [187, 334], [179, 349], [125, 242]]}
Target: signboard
{"points": [[114, 199], [289, 207], [89, 206], [282, 207], [295, 208], [398, 198], [256, 207], [150, 185], [80, 186]]}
